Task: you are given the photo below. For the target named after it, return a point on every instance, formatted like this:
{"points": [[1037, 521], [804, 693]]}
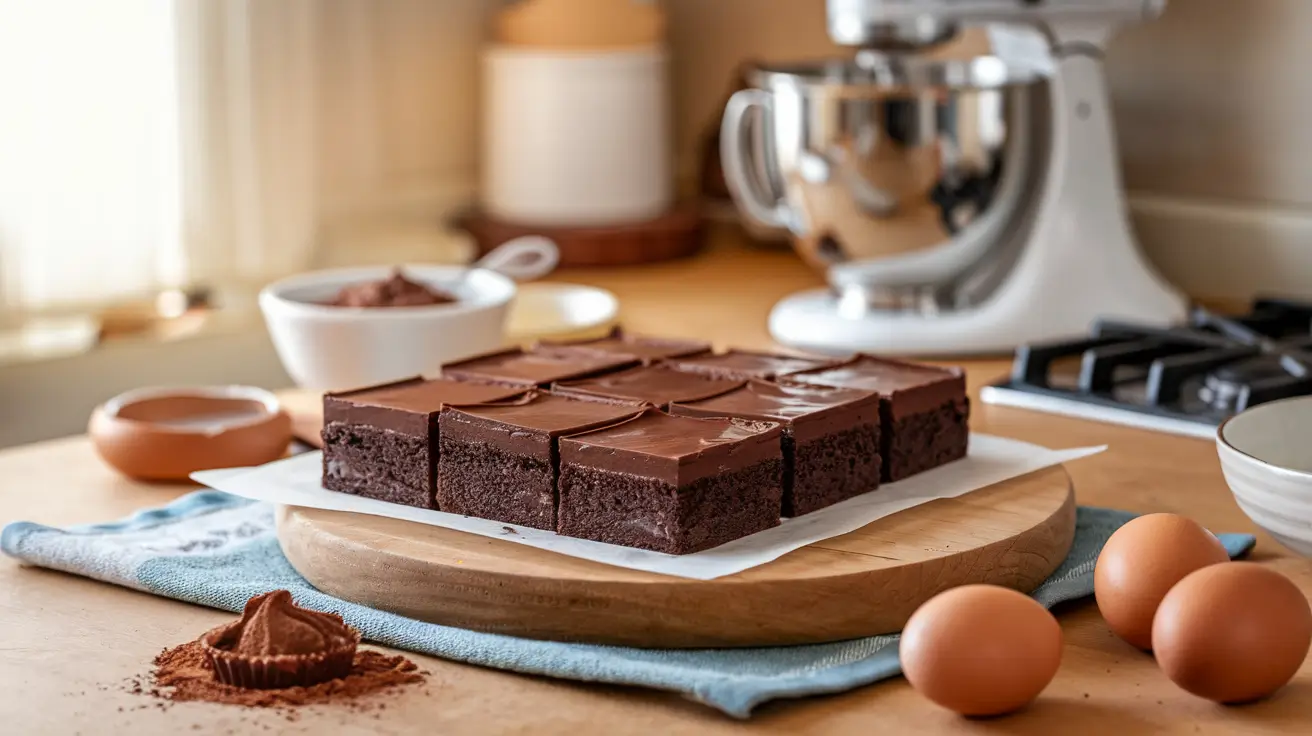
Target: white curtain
{"points": [[150, 143]]}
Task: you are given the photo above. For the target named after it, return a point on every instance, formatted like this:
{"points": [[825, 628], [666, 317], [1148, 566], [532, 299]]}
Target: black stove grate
{"points": [[1203, 371]]}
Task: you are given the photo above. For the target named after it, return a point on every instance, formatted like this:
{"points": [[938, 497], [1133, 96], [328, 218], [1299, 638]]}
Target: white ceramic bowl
{"points": [[1266, 456], [326, 348]]}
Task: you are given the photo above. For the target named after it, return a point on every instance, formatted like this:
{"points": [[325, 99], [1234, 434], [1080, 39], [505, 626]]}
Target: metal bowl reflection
{"points": [[885, 156]]}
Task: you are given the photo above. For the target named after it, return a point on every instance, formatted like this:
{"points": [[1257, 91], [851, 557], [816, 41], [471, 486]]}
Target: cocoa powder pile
{"points": [[182, 674], [393, 291], [276, 643]]}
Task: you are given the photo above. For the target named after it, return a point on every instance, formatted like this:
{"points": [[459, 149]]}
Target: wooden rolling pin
{"points": [[581, 24]]}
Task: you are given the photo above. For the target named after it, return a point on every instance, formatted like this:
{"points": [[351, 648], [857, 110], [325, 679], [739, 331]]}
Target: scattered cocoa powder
{"points": [[182, 674]]}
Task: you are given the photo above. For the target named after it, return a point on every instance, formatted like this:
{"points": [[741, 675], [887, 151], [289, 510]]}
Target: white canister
{"points": [[576, 137]]}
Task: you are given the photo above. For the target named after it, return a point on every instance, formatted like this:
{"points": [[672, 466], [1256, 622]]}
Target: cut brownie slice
{"points": [[540, 368], [657, 385], [830, 437], [671, 484], [749, 364], [381, 442], [647, 350], [923, 409], [500, 460]]}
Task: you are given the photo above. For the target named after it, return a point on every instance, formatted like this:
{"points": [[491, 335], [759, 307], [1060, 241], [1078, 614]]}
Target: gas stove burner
{"points": [[1220, 393], [1226, 389], [1184, 379]]}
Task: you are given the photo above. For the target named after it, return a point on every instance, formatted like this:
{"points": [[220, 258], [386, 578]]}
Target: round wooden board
{"points": [[864, 583]]}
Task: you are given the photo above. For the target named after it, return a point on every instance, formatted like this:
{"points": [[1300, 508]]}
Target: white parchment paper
{"points": [[295, 482]]}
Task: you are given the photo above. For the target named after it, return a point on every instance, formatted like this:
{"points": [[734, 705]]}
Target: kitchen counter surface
{"points": [[68, 644]]}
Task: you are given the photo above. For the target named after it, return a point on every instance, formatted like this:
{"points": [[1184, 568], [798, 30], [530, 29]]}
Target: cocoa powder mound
{"points": [[272, 624], [394, 291], [182, 674]]}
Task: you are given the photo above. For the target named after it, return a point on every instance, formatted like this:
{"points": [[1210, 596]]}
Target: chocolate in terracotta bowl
{"points": [[278, 644], [394, 291]]}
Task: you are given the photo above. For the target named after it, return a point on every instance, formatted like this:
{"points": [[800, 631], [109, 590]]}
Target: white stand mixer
{"points": [[1052, 264]]}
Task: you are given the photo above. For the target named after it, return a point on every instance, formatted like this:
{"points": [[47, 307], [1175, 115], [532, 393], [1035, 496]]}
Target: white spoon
{"points": [[522, 259]]}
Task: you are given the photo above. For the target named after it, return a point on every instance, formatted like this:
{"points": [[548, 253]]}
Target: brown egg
{"points": [[981, 650], [1140, 563], [167, 434], [1232, 633]]}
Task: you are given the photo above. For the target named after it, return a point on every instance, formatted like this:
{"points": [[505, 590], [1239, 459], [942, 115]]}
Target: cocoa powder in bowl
{"points": [[394, 291]]}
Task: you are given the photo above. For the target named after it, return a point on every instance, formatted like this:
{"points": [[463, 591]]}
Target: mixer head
{"points": [[900, 26]]}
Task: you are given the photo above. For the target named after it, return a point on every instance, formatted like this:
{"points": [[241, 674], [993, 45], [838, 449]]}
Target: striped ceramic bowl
{"points": [[1266, 456]]}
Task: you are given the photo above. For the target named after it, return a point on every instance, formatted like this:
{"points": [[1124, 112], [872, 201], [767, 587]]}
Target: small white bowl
{"points": [[546, 311], [1266, 456], [331, 348]]}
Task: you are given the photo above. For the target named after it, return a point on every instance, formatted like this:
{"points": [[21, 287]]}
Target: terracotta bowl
{"points": [[166, 434]]}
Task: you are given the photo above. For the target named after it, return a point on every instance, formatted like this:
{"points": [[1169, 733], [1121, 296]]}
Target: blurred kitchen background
{"points": [[160, 160]]}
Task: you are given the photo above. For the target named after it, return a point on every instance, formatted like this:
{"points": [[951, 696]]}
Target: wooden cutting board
{"points": [[864, 583]]}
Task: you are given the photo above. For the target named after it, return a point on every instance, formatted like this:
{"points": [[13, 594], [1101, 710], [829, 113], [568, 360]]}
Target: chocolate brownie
{"points": [[540, 368], [923, 409], [657, 385], [748, 364], [500, 460], [671, 484], [647, 350], [381, 442], [830, 437]]}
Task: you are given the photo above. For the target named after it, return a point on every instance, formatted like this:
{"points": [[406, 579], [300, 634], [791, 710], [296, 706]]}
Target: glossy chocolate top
{"points": [[674, 450], [647, 350], [408, 406], [538, 368], [528, 423], [810, 411], [749, 364], [657, 385], [909, 388]]}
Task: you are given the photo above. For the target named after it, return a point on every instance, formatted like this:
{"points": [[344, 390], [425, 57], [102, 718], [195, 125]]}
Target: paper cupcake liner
{"points": [[277, 671]]}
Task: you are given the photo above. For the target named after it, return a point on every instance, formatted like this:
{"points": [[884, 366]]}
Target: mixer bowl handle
{"points": [[736, 156]]}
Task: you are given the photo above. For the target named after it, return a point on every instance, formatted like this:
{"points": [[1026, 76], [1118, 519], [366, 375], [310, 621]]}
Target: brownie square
{"points": [[539, 368], [830, 437], [381, 442], [671, 484], [500, 460], [748, 364], [657, 385], [923, 409], [646, 350]]}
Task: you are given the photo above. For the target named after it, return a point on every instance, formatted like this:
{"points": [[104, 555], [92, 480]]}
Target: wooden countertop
{"points": [[68, 643]]}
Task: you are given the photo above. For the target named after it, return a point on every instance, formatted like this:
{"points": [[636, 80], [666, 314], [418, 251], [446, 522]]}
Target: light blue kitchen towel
{"points": [[219, 550]]}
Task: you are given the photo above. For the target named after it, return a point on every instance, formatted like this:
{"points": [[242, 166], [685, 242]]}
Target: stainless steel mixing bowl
{"points": [[876, 157]]}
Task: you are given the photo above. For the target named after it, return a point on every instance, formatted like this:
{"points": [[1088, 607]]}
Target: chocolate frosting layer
{"points": [[749, 364], [516, 367], [272, 624], [810, 411], [527, 425], [674, 450], [657, 385], [647, 350], [908, 388], [408, 406]]}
